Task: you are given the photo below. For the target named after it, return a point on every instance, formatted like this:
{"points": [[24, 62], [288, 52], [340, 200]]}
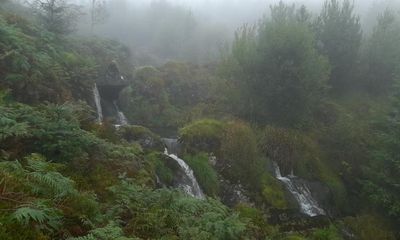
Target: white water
{"points": [[191, 187], [302, 194], [122, 120], [97, 101]]}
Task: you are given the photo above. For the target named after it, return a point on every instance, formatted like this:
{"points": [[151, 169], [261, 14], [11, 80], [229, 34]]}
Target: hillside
{"points": [[286, 136]]}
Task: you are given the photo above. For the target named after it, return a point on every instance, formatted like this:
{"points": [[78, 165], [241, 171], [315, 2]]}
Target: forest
{"points": [[167, 119]]}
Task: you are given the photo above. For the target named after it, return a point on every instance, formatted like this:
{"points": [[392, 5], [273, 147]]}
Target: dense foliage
{"points": [[312, 95]]}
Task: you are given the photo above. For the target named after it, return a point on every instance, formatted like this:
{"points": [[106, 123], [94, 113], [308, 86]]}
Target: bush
{"points": [[296, 151], [40, 200], [166, 214], [330, 233], [257, 225], [202, 136], [239, 154], [368, 227]]}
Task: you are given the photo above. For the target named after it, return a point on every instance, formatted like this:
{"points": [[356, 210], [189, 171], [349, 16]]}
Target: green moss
{"points": [[136, 132], [204, 172], [273, 193], [203, 135]]}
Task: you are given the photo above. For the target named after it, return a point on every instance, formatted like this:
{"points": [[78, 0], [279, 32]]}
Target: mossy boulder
{"points": [[202, 136], [143, 136]]}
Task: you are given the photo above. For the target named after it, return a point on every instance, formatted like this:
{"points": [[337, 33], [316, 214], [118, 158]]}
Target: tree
{"points": [[382, 54], [382, 172], [57, 16], [338, 34], [98, 12], [281, 76]]}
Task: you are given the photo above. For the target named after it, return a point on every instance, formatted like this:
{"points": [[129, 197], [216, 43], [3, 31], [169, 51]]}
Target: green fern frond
{"points": [[38, 213], [44, 181], [110, 232]]}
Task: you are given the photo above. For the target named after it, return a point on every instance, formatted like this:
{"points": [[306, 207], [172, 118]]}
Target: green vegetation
{"points": [[369, 227], [203, 135], [165, 174], [280, 74], [204, 172], [310, 93], [273, 193]]}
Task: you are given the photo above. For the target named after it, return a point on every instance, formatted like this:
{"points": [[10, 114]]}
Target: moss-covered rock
{"points": [[202, 136], [146, 138], [273, 193]]}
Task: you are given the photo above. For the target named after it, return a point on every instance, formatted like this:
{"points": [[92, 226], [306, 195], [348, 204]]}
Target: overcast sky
{"points": [[241, 11]]}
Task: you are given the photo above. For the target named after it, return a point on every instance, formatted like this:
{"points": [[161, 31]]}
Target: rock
{"points": [[143, 136], [232, 194], [294, 221]]}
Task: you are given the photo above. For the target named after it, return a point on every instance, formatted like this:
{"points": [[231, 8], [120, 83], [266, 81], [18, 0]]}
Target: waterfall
{"points": [[172, 145], [189, 185], [97, 101], [122, 120], [300, 191]]}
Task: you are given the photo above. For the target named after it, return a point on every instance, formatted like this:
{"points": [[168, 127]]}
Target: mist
{"points": [[160, 30]]}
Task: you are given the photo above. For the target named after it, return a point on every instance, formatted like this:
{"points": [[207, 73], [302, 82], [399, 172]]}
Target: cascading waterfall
{"points": [[122, 120], [302, 194], [189, 185], [97, 101]]}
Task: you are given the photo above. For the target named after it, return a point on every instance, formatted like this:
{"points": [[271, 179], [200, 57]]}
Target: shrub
{"points": [[330, 233], [368, 227], [202, 136], [239, 154], [41, 200], [169, 214], [296, 151], [257, 225]]}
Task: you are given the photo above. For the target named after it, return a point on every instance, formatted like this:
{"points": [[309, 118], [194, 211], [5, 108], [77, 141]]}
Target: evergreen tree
{"points": [[338, 33], [382, 54], [282, 75], [58, 16]]}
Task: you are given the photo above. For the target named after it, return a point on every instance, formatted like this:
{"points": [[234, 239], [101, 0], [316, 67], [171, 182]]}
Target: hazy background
{"points": [[193, 30]]}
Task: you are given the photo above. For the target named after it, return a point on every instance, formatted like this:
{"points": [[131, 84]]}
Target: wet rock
{"points": [[232, 194], [294, 221]]}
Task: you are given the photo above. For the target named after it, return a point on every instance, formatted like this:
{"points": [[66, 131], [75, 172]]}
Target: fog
{"points": [[194, 30]]}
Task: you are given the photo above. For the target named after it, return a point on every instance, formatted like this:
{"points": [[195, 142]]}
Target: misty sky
{"points": [[216, 20], [237, 12]]}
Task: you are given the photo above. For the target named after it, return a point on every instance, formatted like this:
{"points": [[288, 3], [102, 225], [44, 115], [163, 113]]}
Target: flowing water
{"points": [[97, 101], [188, 183], [300, 191], [122, 120]]}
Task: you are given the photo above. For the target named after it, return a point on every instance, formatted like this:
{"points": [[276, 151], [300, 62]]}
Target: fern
{"points": [[46, 182], [39, 213], [110, 232], [9, 127]]}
